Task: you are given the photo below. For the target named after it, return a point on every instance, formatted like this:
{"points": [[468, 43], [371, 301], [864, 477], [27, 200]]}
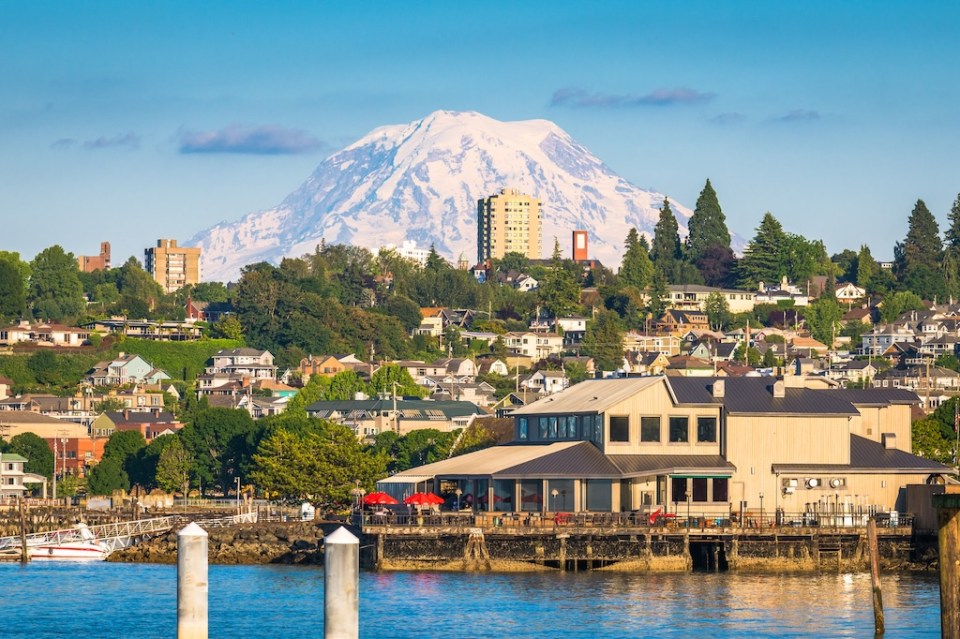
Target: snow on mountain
{"points": [[421, 182]]}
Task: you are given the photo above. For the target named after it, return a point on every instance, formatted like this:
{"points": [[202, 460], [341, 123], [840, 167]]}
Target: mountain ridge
{"points": [[421, 181]]}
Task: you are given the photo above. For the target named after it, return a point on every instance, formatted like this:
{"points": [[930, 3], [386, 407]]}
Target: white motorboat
{"points": [[76, 544]]}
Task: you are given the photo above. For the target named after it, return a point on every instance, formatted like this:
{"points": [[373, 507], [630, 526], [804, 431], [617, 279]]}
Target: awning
{"points": [[405, 479]]}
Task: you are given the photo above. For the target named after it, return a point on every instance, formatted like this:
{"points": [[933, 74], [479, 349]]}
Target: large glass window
{"points": [[503, 494], [707, 429], [650, 429], [619, 428], [678, 489], [531, 495], [522, 428], [563, 500], [599, 495], [679, 429], [699, 489], [598, 428], [542, 427], [721, 489], [573, 432], [553, 428]]}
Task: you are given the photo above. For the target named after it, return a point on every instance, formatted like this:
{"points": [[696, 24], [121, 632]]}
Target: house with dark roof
{"points": [[707, 446], [369, 417]]}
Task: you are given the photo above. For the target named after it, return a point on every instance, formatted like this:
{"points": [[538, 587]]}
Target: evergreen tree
{"points": [[951, 251], [666, 249], [918, 258], [603, 340], [707, 226], [12, 298], [659, 295], [558, 291], [764, 260], [636, 268], [435, 262], [867, 268]]}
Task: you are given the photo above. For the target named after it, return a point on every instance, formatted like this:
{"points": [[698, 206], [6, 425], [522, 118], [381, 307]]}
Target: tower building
{"points": [[508, 222], [172, 266]]}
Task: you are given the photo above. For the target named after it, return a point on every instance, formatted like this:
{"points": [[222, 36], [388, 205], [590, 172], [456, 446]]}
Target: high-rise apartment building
{"points": [[172, 266], [506, 223]]}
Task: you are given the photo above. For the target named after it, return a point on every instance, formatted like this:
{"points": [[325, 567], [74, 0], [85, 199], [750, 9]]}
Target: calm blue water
{"points": [[124, 601]]}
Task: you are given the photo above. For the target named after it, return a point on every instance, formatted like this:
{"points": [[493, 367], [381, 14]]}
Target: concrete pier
{"points": [[192, 585], [341, 585]]}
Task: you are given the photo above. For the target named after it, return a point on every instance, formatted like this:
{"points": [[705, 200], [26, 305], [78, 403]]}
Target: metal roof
{"points": [[583, 460], [592, 396], [486, 462], [754, 395], [868, 456], [638, 465]]}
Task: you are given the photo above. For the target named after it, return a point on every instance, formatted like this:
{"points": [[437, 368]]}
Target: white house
{"points": [[850, 293], [11, 475]]}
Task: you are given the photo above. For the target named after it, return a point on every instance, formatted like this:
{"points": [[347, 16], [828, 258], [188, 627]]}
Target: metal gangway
{"points": [[123, 534]]}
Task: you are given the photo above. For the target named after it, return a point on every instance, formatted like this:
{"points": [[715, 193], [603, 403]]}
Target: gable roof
{"points": [[591, 396], [754, 395], [867, 456]]}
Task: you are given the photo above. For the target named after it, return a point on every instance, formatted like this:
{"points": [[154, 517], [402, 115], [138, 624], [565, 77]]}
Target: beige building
{"points": [[508, 223], [172, 266], [721, 449]]}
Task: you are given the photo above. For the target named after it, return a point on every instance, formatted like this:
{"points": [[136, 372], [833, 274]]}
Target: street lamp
{"points": [[238, 495], [761, 511], [458, 493], [554, 493]]}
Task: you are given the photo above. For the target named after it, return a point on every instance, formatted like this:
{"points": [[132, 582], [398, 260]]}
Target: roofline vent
{"points": [[718, 388], [779, 389]]}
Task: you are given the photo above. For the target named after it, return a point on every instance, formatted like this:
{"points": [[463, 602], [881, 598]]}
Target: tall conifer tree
{"points": [[666, 252], [708, 226], [764, 259], [636, 268]]}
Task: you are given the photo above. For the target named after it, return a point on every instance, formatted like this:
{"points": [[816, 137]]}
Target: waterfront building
{"points": [[509, 222], [172, 266], [711, 446]]}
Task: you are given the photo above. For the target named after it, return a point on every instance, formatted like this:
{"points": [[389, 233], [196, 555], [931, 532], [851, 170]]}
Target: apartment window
{"points": [[650, 429], [678, 488], [679, 429], [720, 489], [707, 429], [699, 489], [619, 428]]}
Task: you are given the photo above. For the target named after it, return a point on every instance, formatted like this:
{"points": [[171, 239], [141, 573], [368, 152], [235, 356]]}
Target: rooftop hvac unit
{"points": [[812, 482]]}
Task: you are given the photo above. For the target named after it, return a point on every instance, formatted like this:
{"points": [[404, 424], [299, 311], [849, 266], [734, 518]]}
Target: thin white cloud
{"points": [[261, 140], [129, 141], [799, 115], [576, 97]]}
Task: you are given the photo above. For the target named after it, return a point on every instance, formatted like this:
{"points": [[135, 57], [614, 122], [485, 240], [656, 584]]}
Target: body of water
{"points": [[131, 601]]}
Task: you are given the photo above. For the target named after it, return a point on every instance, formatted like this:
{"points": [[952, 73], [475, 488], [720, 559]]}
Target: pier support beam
{"points": [[341, 585], [948, 536], [192, 585]]}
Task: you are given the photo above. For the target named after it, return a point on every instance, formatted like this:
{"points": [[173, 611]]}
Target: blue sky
{"points": [[130, 121]]}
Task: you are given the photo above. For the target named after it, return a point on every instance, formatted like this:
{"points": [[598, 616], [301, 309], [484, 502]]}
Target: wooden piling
{"points": [[341, 585], [192, 585], [948, 537], [24, 551], [874, 547]]}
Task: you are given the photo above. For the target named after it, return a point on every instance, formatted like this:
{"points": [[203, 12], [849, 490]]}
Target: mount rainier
{"points": [[421, 182]]}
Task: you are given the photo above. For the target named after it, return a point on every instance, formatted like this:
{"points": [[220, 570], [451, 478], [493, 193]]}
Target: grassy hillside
{"points": [[62, 370]]}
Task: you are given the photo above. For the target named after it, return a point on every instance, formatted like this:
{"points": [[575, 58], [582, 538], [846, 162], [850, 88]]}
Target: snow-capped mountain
{"points": [[421, 182]]}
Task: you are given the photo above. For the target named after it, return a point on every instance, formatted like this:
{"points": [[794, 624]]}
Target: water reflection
{"points": [[50, 601]]}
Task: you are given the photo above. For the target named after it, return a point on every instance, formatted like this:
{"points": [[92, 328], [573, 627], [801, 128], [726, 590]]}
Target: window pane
{"points": [[678, 488], [599, 498], [649, 429], [707, 429], [503, 494], [562, 428], [699, 489], [553, 428], [523, 428], [720, 489], [678, 429], [564, 498], [543, 427], [619, 429], [531, 496]]}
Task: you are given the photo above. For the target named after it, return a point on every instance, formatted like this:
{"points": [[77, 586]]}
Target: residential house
{"points": [[693, 297], [481, 394], [207, 311], [879, 340], [260, 407], [807, 347], [12, 476], [639, 363], [43, 334], [687, 366], [250, 363], [850, 294], [858, 315], [675, 322], [150, 425], [715, 351], [783, 292], [669, 345], [125, 369], [705, 446], [168, 331], [276, 389], [855, 371], [370, 417], [6, 385], [492, 366], [536, 346], [76, 455], [545, 382]]}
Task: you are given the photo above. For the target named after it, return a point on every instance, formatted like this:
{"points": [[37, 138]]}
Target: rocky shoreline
{"points": [[261, 543]]}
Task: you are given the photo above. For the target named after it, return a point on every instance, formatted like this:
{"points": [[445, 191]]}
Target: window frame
{"points": [[659, 439], [626, 432], [670, 431]]}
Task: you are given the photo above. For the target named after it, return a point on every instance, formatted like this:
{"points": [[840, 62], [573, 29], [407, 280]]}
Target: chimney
{"points": [[889, 440], [718, 388], [779, 389]]}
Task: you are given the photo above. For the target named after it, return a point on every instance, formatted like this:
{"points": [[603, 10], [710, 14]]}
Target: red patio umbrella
{"points": [[423, 499], [378, 499]]}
